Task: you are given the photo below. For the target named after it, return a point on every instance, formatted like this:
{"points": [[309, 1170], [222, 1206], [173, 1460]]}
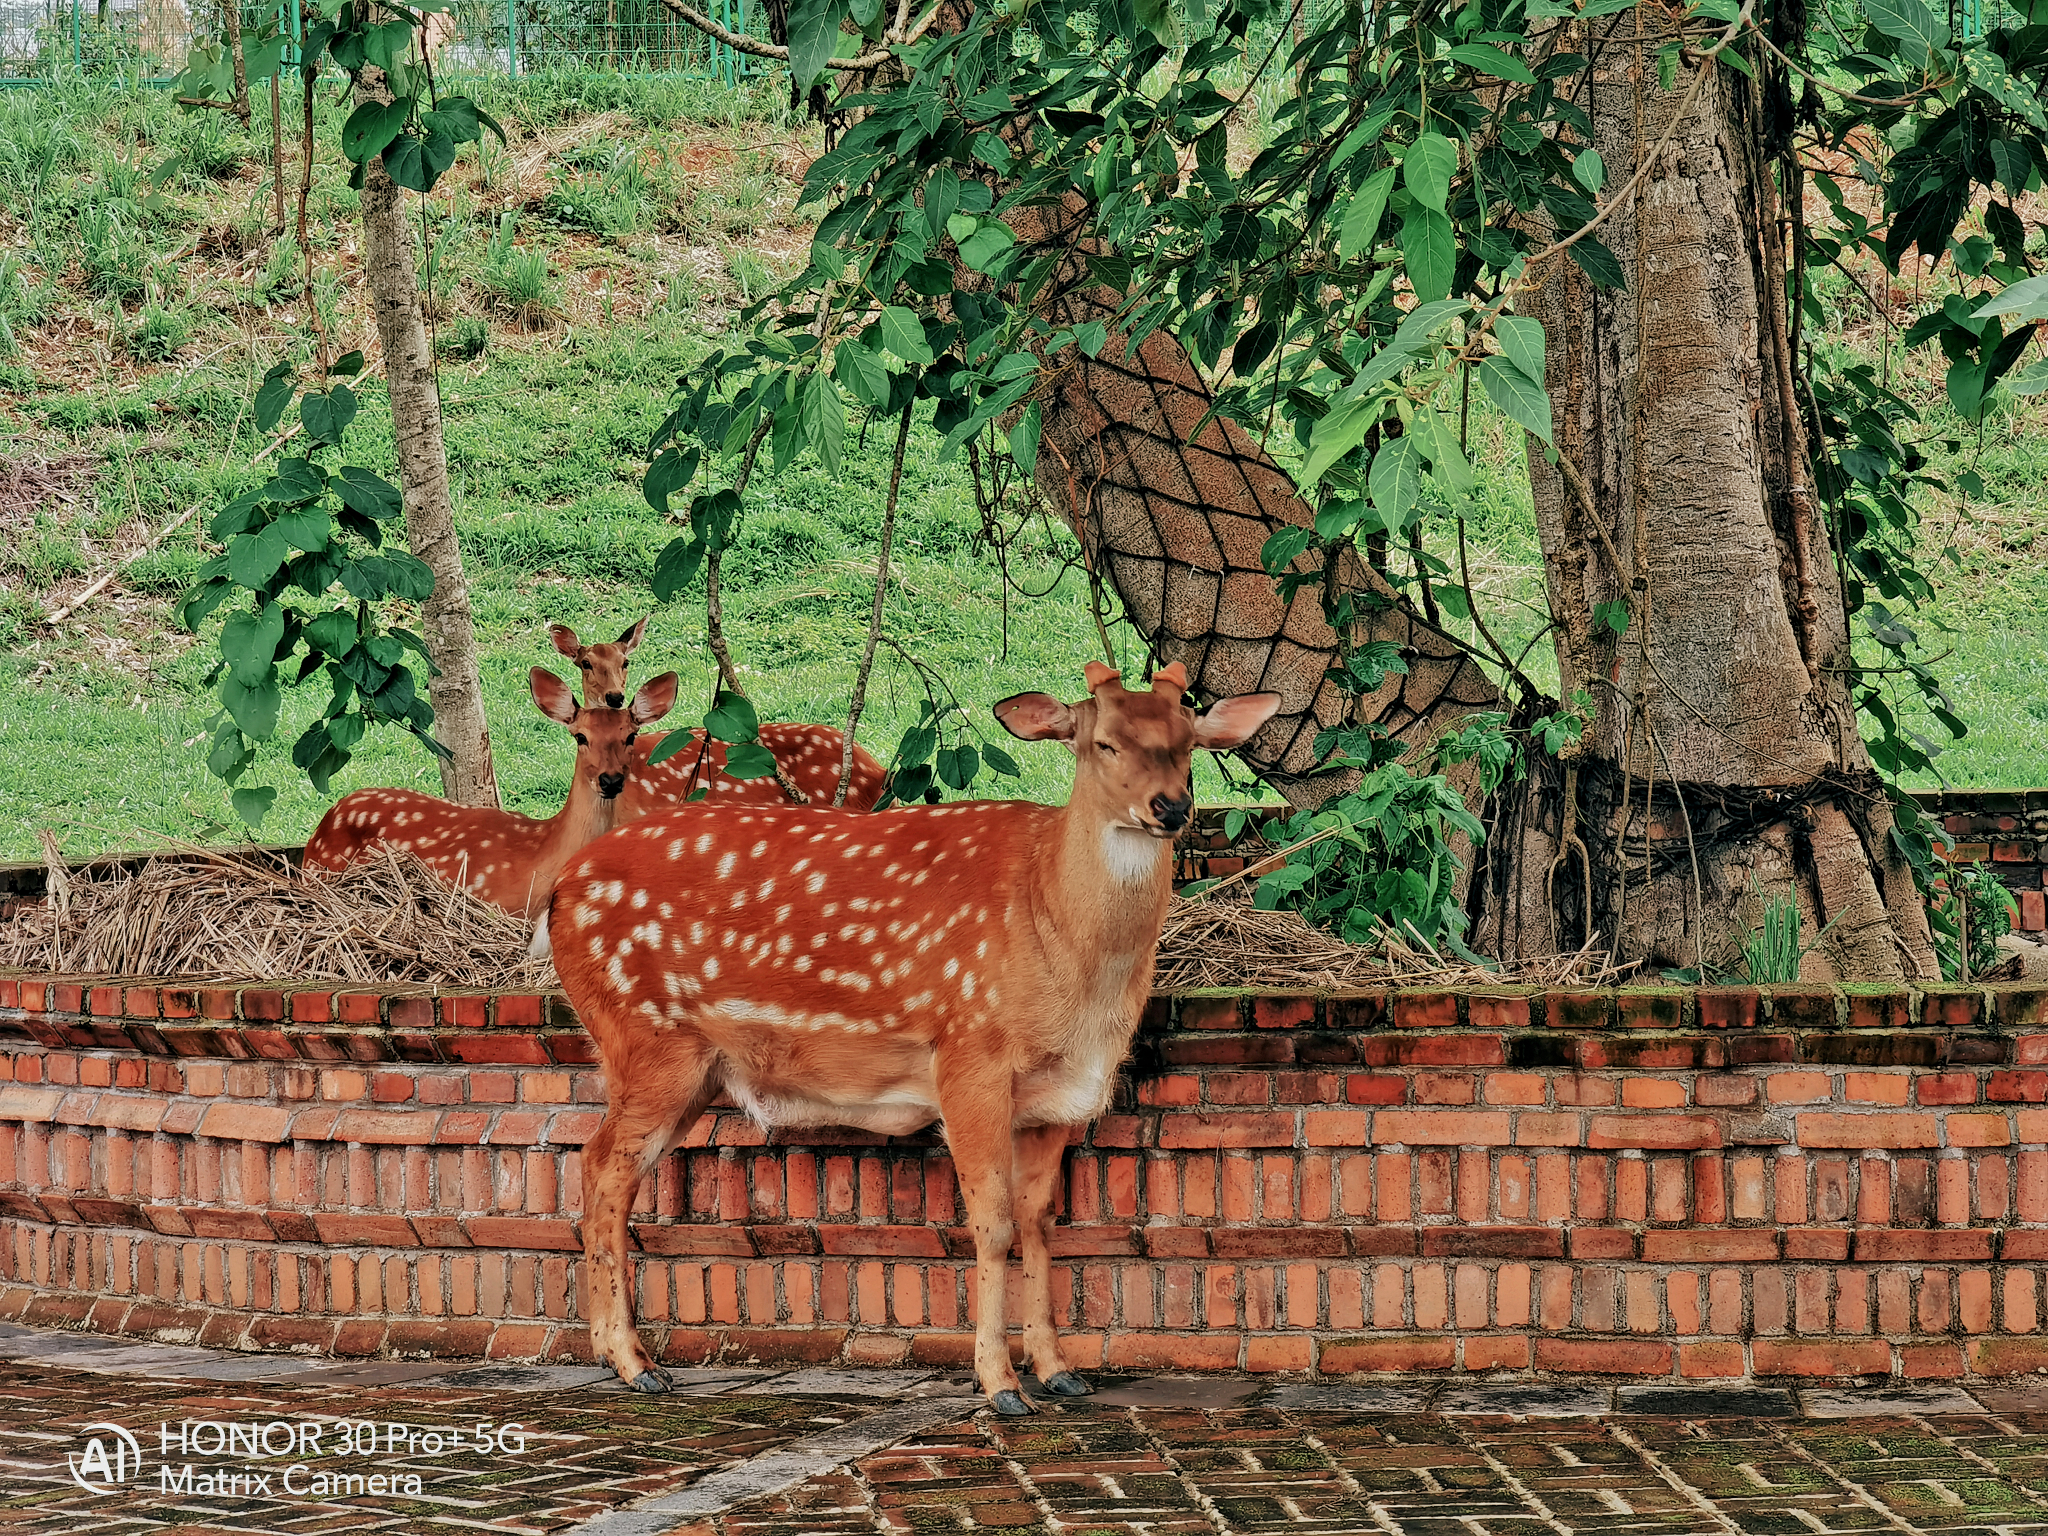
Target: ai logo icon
{"points": [[108, 1461]]}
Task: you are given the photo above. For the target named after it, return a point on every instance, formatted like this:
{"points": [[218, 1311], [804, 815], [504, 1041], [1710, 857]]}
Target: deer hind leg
{"points": [[650, 1102], [1040, 1155], [978, 1131]]}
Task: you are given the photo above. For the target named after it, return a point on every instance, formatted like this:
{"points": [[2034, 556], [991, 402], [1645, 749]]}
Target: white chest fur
{"points": [[1072, 1089], [1133, 856]]}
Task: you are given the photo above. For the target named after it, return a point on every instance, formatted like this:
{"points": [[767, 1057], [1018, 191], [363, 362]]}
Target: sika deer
{"points": [[603, 664], [985, 963], [809, 754], [504, 858]]}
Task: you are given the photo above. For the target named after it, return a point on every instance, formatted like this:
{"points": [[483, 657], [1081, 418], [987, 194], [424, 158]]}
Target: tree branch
{"points": [[741, 43]]}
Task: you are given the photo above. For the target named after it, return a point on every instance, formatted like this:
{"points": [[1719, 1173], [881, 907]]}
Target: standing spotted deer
{"points": [[985, 963], [809, 754]]}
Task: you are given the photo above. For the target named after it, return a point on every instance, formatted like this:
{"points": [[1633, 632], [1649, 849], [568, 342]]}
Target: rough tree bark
{"points": [[456, 691], [1724, 762]]}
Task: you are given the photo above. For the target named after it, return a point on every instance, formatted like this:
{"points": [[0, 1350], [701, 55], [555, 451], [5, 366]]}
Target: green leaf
{"points": [[903, 335], [303, 528], [676, 567], [955, 766], [1522, 340], [1446, 458], [372, 126], [2023, 301], [813, 34], [1284, 548], [2031, 380], [333, 632], [1612, 616], [271, 400], [228, 754], [1431, 246], [363, 492], [1427, 169], [987, 245], [388, 43], [1489, 60], [1514, 392], [672, 470], [822, 419], [749, 760], [253, 804], [1599, 263], [1024, 439], [1396, 482], [1000, 761], [1362, 214], [249, 642], [863, 374], [327, 416], [1589, 170], [254, 707], [253, 558], [1238, 235], [732, 719], [1911, 25], [1342, 430], [347, 366]]}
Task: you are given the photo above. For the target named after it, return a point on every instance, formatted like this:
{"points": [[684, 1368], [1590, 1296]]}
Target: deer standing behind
{"points": [[809, 754], [501, 857], [981, 962]]}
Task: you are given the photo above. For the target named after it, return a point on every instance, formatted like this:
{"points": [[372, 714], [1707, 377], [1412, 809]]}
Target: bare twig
{"points": [[867, 656]]}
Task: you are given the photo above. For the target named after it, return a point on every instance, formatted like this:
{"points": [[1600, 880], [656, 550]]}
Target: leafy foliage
{"points": [[308, 535]]}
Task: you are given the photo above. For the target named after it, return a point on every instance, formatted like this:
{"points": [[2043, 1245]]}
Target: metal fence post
{"points": [[77, 44], [512, 37]]}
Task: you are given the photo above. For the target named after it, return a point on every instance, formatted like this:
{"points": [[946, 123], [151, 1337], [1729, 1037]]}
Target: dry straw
{"points": [[245, 916]]}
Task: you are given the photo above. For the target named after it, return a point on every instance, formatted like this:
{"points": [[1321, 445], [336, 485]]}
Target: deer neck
{"points": [[1105, 883], [584, 817]]}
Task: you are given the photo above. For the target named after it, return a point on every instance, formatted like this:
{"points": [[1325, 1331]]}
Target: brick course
{"points": [[1681, 1184]]}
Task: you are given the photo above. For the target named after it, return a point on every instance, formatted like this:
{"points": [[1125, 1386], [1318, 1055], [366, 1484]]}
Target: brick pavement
{"points": [[762, 1453]]}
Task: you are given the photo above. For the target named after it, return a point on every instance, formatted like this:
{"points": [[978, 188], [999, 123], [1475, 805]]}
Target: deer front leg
{"points": [[1040, 1155], [615, 1160], [978, 1131]]}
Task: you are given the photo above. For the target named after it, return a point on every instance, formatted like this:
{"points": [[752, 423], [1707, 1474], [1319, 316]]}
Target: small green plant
{"points": [[679, 294], [519, 281], [1968, 919], [116, 256], [1771, 955], [1377, 859], [752, 274], [159, 335], [468, 338], [206, 149], [25, 302]]}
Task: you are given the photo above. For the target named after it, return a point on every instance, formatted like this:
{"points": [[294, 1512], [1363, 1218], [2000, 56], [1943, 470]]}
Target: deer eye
{"points": [[582, 740], [583, 664], [1106, 747], [631, 737]]}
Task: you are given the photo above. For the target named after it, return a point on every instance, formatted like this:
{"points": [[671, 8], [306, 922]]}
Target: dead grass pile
{"points": [[245, 916]]}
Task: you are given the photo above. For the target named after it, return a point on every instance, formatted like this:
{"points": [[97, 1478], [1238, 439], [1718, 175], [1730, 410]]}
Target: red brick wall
{"points": [[1664, 1183]]}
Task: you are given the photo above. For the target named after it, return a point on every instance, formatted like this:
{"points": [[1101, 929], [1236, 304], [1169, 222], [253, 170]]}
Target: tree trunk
{"points": [[231, 15], [456, 692], [1724, 766], [1175, 527]]}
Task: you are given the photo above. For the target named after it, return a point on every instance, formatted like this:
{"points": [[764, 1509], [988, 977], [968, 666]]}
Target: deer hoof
{"points": [[654, 1380], [1012, 1404], [1067, 1384]]}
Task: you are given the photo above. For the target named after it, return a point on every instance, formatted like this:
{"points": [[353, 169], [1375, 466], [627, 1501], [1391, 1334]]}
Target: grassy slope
{"points": [[545, 435]]}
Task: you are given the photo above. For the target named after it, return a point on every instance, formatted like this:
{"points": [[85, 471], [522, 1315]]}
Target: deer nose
{"points": [[1172, 813], [610, 784], [616, 700]]}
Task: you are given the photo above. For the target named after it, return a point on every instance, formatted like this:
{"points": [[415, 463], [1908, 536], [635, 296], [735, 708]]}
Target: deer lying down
{"points": [[809, 754], [984, 962], [502, 857]]}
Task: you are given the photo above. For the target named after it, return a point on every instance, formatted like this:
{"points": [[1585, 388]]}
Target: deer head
{"points": [[602, 664], [604, 736]]}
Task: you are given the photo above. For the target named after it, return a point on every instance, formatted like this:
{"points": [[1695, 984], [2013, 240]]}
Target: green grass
{"points": [[137, 313]]}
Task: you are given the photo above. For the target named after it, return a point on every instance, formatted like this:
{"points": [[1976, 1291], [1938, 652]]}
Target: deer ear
{"points": [[633, 636], [1231, 722], [1173, 678], [1098, 674], [657, 696], [564, 638], [1036, 717], [552, 696]]}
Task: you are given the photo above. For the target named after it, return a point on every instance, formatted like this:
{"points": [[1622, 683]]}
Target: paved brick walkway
{"points": [[761, 1453]]}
